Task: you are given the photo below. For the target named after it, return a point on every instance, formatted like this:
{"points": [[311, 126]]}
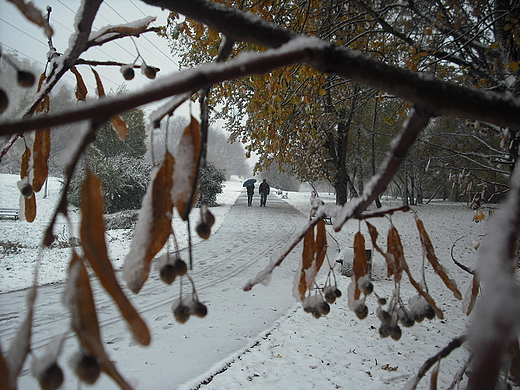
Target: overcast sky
{"points": [[17, 34]]}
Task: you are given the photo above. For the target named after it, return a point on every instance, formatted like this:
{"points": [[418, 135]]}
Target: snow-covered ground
{"points": [[297, 352]]}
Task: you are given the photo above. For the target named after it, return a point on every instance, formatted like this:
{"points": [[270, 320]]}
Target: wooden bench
{"points": [[8, 213]]}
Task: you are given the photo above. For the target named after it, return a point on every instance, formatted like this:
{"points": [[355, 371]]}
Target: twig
{"points": [[452, 345], [462, 266]]}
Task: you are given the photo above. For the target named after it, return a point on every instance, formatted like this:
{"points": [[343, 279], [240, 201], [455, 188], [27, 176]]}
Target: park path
{"points": [[180, 352]]}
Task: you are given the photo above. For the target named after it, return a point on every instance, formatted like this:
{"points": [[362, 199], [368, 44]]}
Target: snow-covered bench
{"points": [[8, 213]]}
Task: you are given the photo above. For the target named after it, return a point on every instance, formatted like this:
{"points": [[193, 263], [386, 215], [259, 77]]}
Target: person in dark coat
{"points": [[264, 191], [250, 192]]}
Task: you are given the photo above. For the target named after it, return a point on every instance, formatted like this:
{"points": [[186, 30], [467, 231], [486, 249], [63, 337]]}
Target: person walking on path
{"points": [[250, 192], [264, 191]]}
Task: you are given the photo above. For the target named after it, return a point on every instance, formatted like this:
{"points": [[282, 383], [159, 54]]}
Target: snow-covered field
{"points": [[298, 351]]}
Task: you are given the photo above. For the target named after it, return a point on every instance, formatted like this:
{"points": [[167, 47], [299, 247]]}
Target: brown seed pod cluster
{"points": [[186, 306], [318, 304], [170, 266], [397, 313]]}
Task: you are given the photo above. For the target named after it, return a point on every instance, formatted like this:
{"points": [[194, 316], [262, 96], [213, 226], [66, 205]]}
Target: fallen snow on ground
{"points": [[298, 351]]}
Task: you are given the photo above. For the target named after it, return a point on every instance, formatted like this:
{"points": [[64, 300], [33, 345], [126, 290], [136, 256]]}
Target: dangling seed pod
{"points": [[149, 72], [199, 309], [127, 71], [25, 79], [168, 273], [51, 378], [181, 268], [181, 313], [86, 368]]}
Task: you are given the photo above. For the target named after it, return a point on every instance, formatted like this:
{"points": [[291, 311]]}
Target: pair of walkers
{"points": [[263, 191]]}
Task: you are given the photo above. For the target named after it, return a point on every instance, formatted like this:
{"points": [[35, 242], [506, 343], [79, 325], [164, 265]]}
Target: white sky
{"points": [[16, 33]]}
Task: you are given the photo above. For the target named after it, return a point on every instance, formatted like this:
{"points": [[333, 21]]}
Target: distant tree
{"points": [[120, 165], [280, 178], [210, 185]]}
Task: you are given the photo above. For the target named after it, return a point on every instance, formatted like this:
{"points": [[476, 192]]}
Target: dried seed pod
{"points": [[181, 313], [366, 287], [429, 312], [383, 315], [127, 71], [199, 309], [25, 79], [330, 297], [395, 332], [180, 267], [86, 368], [316, 312], [51, 378], [203, 230], [337, 291], [149, 72], [361, 311], [381, 301], [330, 293], [4, 101], [27, 190], [385, 330], [405, 319], [168, 273], [324, 308]]}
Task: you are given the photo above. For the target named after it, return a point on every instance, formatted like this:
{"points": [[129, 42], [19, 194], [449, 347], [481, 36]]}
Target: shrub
{"points": [[123, 181], [210, 185]]}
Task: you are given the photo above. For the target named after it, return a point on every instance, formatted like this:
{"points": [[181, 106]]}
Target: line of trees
{"points": [[323, 126]]}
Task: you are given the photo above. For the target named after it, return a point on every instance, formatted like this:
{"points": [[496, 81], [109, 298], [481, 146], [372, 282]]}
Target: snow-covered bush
{"points": [[124, 180], [210, 185]]}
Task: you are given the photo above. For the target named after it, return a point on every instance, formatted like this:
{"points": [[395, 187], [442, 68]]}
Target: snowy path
{"points": [[178, 353]]}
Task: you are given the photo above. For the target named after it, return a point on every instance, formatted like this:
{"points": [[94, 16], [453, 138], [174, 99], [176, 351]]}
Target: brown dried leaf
{"points": [[435, 376], [85, 322], [395, 248], [21, 344], [471, 296], [119, 126], [81, 88], [153, 226], [307, 260], [30, 208], [92, 233], [100, 90], [320, 245], [33, 14], [45, 104], [360, 265], [185, 177], [42, 151], [26, 161], [434, 261]]}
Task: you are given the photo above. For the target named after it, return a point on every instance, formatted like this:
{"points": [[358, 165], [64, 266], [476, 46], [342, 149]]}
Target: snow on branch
{"points": [[112, 32], [439, 97]]}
